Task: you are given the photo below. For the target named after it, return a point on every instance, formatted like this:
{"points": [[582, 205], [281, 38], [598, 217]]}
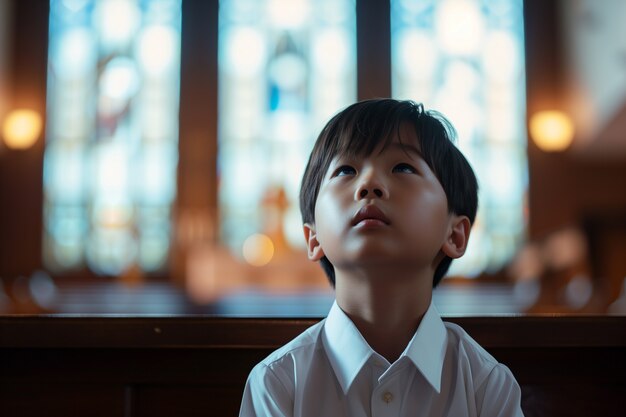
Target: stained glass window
{"points": [[465, 58], [285, 67], [112, 134]]}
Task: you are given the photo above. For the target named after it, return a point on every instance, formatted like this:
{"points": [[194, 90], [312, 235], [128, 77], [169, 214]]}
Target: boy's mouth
{"points": [[369, 212]]}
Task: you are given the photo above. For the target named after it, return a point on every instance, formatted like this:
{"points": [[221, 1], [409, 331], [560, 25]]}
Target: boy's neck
{"points": [[386, 309]]}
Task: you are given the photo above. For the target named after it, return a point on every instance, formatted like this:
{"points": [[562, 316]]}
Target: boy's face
{"points": [[388, 207]]}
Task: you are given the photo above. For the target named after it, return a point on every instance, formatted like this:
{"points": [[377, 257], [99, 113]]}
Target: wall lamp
{"points": [[551, 130], [22, 128]]}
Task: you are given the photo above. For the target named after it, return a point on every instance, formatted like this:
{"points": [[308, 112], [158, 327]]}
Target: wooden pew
{"points": [[197, 365]]}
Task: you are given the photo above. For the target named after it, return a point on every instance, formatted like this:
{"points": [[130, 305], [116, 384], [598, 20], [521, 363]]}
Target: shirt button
{"points": [[387, 397]]}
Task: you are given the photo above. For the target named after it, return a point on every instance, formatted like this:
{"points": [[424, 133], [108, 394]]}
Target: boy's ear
{"points": [[458, 236], [314, 249]]}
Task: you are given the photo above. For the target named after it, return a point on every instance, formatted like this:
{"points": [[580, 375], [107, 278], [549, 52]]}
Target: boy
{"points": [[387, 202]]}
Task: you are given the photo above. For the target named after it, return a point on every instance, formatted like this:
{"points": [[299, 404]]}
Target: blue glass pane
{"points": [[285, 67], [465, 58], [112, 134]]}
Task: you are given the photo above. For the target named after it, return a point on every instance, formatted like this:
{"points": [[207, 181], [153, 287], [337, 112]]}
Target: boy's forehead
{"points": [[407, 138], [402, 137]]}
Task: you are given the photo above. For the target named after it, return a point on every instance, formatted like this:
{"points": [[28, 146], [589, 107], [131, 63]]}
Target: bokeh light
{"points": [[258, 249], [22, 128], [551, 130]]}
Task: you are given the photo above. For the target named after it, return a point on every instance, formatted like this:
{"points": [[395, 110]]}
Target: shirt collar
{"points": [[345, 347], [427, 348], [348, 351]]}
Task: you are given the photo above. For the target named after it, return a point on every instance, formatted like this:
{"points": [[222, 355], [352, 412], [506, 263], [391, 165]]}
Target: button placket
{"points": [[387, 397]]}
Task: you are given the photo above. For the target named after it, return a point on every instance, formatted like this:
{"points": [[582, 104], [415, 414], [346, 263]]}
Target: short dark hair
{"points": [[362, 127]]}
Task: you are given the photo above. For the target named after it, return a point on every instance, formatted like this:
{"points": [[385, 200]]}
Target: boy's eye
{"points": [[344, 170], [404, 169]]}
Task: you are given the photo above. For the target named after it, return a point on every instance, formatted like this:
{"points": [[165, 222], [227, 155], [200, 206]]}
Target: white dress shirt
{"points": [[330, 370]]}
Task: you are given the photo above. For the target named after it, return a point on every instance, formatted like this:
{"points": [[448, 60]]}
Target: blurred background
{"points": [[151, 151]]}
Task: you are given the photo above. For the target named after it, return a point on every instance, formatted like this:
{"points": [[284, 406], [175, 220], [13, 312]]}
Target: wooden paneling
{"points": [[164, 366], [61, 399], [373, 31], [21, 171]]}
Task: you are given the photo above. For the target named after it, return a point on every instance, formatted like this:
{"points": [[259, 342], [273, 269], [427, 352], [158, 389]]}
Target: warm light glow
{"points": [[288, 13], [551, 130], [258, 249], [117, 21], [158, 49], [246, 50], [460, 26], [21, 129], [331, 52]]}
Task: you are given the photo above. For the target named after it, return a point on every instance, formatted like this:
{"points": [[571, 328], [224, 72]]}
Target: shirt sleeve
{"points": [[265, 395], [500, 395]]}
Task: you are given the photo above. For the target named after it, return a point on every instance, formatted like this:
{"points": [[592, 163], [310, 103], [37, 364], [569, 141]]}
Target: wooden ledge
{"points": [[218, 332]]}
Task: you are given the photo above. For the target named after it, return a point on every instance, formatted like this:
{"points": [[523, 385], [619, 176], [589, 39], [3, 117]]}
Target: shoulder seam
{"points": [[484, 381], [270, 370], [280, 355]]}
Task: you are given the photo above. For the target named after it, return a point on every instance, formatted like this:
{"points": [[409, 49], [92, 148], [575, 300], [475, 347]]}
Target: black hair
{"points": [[364, 126]]}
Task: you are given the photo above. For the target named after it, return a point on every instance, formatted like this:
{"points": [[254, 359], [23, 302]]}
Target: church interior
{"points": [[194, 243], [151, 154]]}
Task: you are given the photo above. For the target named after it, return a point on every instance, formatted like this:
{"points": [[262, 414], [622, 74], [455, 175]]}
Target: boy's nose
{"points": [[370, 188], [364, 193]]}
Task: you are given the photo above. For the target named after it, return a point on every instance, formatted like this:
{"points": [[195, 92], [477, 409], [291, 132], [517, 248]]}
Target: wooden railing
{"points": [[197, 365]]}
